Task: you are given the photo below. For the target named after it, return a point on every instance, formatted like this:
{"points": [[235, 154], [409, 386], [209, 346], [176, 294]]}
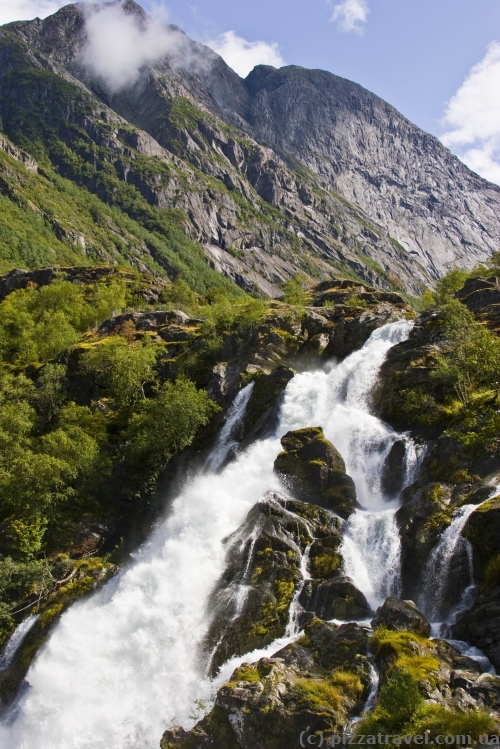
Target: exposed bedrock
{"points": [[263, 575]]}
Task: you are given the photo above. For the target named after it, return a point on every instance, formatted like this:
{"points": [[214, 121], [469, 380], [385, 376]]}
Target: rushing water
{"points": [[439, 571], [16, 641], [124, 664]]}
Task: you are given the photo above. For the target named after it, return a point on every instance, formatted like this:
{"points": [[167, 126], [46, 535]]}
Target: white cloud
{"points": [[472, 117], [350, 15], [119, 44], [242, 56], [25, 10]]}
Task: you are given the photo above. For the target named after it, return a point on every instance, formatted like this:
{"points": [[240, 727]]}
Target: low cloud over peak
{"points": [[242, 55], [120, 44]]}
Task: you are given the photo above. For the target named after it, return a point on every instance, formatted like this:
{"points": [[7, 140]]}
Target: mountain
{"points": [[287, 171]]}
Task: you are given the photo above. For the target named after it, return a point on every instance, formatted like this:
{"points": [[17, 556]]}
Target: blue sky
{"points": [[418, 55]]}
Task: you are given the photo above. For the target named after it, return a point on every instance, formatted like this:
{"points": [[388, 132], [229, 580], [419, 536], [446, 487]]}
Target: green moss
{"points": [[316, 694], [408, 652], [325, 565], [347, 683], [244, 673]]}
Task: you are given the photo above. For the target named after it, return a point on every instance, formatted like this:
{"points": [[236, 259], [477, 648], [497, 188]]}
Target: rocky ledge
{"points": [[321, 682]]}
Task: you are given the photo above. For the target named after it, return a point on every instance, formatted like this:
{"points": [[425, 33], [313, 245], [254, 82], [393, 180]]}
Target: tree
{"points": [[123, 369], [50, 394], [295, 291], [181, 295], [167, 424], [472, 358]]}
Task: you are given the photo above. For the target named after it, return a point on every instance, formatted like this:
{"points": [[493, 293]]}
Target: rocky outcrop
{"points": [[444, 676], [314, 471], [483, 533], [426, 512], [150, 288], [482, 297], [315, 684], [321, 681], [480, 625], [401, 616], [252, 605], [393, 474]]}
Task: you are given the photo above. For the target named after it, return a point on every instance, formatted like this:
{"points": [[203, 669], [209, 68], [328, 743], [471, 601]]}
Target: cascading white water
{"points": [[16, 641], [437, 571], [124, 664], [293, 626], [338, 401], [226, 444]]}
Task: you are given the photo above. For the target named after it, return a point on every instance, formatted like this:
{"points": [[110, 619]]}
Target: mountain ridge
{"points": [[351, 185]]}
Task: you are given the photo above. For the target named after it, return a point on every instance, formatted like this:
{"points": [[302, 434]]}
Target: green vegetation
{"points": [[463, 399], [401, 711], [36, 325], [406, 651], [296, 291], [316, 694], [87, 425]]}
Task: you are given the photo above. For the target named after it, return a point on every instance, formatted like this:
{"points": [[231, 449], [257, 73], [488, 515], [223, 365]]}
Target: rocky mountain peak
{"points": [[336, 178]]}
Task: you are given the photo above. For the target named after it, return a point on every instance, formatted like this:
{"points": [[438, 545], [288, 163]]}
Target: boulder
{"points": [[262, 412], [334, 599], [314, 471], [401, 616], [393, 473], [264, 566]]}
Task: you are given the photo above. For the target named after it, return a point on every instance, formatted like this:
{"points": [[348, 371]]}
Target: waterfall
{"points": [[293, 626], [15, 641], [124, 664], [226, 446], [439, 568]]}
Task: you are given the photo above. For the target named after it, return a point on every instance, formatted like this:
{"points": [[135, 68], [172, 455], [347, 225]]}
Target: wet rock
{"points": [[393, 474], [263, 589], [480, 625], [261, 416], [251, 606], [424, 515], [334, 599], [482, 530], [401, 616], [315, 684], [314, 471], [338, 646]]}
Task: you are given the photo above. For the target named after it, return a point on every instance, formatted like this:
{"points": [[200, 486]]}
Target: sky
{"points": [[436, 61]]}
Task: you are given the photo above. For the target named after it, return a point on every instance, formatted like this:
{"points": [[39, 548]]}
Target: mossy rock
{"points": [[312, 468], [483, 532]]}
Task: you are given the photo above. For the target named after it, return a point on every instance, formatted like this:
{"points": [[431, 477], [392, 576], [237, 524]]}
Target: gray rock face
{"points": [[439, 210], [401, 616], [371, 191]]}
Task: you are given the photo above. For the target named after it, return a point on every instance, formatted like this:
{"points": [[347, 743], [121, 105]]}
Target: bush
{"points": [[123, 369]]}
